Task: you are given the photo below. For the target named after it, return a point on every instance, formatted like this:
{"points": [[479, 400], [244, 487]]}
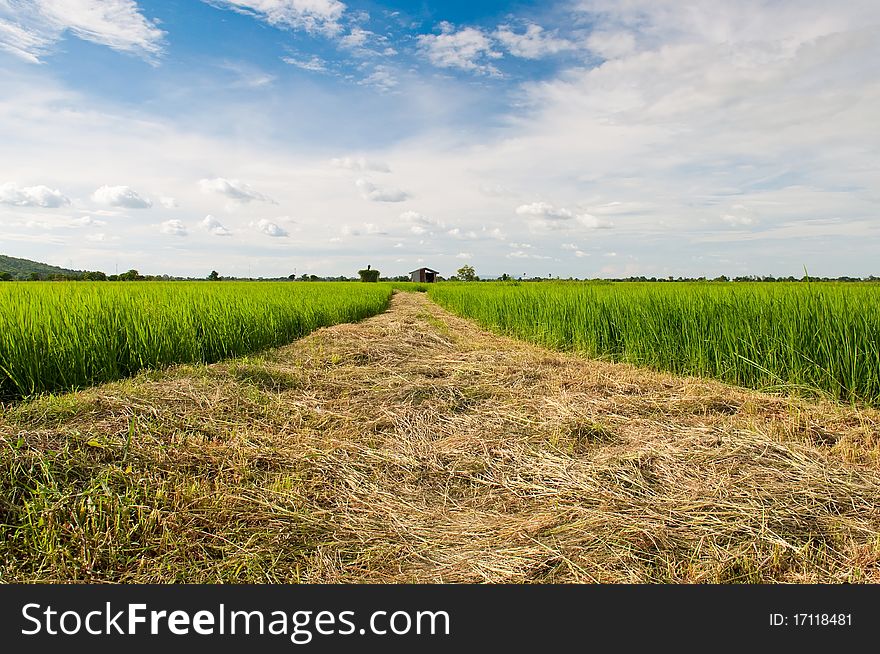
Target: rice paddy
{"points": [[414, 447], [799, 337], [63, 336]]}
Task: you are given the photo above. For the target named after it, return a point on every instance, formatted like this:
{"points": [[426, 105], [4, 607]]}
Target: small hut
{"points": [[423, 275]]}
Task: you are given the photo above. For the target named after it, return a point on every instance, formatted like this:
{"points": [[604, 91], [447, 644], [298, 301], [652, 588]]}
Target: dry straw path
{"points": [[414, 447]]}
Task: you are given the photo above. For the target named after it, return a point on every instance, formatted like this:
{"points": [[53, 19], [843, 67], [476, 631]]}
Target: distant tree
{"points": [[5, 276], [314, 278], [130, 276], [214, 276], [369, 275], [504, 277], [34, 277], [467, 274], [292, 277]]}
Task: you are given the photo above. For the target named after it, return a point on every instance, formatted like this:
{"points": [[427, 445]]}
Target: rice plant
{"points": [[818, 336], [61, 336]]}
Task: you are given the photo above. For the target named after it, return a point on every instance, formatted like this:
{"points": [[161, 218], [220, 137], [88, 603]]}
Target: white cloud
{"points": [[464, 255], [173, 228], [419, 219], [232, 188], [167, 202], [314, 64], [360, 164], [309, 15], [370, 191], [544, 210], [592, 222], [98, 238], [382, 78], [30, 29], [568, 246], [356, 38], [269, 228], [739, 215], [214, 226], [247, 76], [364, 230], [548, 216], [467, 49], [32, 196], [121, 196], [738, 221], [611, 45], [534, 43], [521, 254], [87, 221], [580, 253]]}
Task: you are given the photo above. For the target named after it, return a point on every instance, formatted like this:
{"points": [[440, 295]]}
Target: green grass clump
{"points": [[819, 336], [62, 336]]}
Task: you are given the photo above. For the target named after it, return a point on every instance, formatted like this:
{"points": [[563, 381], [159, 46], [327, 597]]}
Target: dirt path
{"points": [[414, 447]]}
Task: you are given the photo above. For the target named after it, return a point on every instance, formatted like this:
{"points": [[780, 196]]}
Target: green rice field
{"points": [[806, 336], [58, 336]]}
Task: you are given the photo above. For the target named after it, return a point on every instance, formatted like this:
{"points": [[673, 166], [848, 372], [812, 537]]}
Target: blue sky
{"points": [[580, 138]]}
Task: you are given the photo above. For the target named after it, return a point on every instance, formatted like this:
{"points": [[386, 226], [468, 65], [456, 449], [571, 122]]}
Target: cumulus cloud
{"points": [[534, 43], [592, 222], [544, 214], [167, 202], [356, 38], [544, 210], [121, 196], [382, 78], [269, 228], [464, 255], [416, 218], [32, 196], [173, 228], [214, 226], [320, 16], [739, 215], [30, 29], [370, 191], [467, 49], [233, 189], [360, 164]]}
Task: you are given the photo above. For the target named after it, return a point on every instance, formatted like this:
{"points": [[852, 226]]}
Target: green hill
{"points": [[24, 268]]}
